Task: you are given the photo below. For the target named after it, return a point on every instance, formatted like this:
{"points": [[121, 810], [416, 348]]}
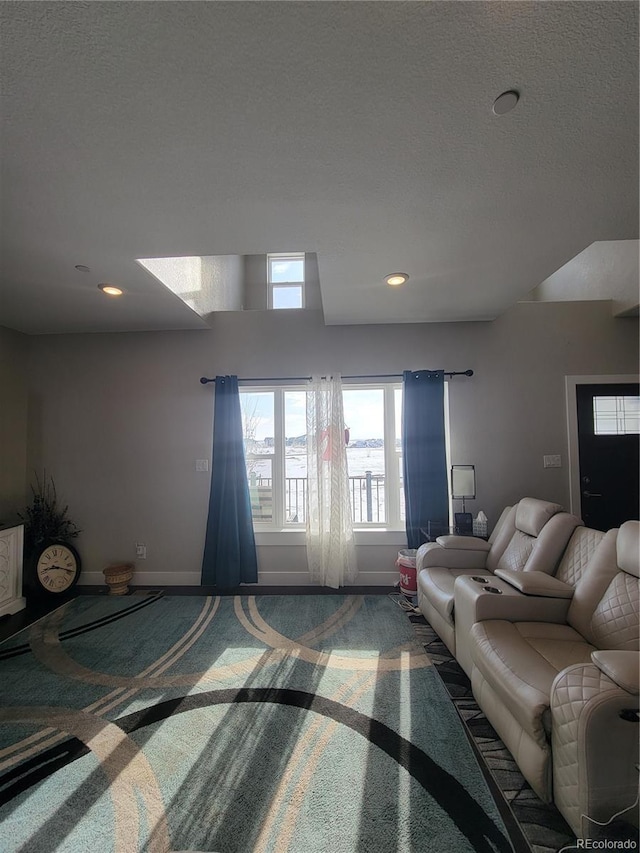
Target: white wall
{"points": [[119, 419], [13, 423], [222, 283], [604, 270]]}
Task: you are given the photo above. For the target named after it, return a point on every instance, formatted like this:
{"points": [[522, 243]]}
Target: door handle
{"points": [[591, 495]]}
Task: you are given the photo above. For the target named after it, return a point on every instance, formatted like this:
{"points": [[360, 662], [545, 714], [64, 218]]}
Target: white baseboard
{"points": [[146, 579], [166, 579], [303, 579]]}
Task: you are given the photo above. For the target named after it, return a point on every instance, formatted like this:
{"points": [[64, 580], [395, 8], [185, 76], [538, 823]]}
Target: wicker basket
{"points": [[118, 577]]}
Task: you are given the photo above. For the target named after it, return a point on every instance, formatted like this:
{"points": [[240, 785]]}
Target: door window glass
{"points": [[616, 415]]}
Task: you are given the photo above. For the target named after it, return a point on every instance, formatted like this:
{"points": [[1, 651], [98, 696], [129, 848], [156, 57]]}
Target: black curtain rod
{"points": [[204, 379]]}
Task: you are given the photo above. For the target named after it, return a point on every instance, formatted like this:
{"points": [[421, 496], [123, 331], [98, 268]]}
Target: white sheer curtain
{"points": [[331, 552]]}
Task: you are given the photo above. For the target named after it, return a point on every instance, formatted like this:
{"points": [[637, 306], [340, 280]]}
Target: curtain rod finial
{"points": [[204, 380], [468, 373]]}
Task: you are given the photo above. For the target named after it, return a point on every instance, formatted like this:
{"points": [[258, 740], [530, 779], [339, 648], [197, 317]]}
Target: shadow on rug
{"points": [[299, 724], [543, 825]]}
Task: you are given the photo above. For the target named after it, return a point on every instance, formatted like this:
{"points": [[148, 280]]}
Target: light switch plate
{"points": [[553, 461], [202, 464]]}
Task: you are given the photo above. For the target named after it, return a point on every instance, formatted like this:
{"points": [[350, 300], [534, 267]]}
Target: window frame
{"points": [[286, 285], [277, 457], [392, 521], [392, 455]]}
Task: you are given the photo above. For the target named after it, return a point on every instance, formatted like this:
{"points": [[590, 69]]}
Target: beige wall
{"points": [[119, 419], [13, 423]]}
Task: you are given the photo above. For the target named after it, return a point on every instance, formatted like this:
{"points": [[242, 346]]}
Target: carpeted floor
{"points": [[543, 825], [283, 724]]}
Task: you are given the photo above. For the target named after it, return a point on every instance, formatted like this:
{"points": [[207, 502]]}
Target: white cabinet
{"points": [[11, 547]]}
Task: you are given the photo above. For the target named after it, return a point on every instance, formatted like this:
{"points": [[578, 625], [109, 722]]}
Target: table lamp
{"points": [[463, 487]]}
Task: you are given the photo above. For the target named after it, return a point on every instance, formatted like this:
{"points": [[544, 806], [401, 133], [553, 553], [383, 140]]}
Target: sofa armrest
{"points": [[463, 543], [499, 600], [594, 744], [536, 583], [432, 554], [621, 667]]}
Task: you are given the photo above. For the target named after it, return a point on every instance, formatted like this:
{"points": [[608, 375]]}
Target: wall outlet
{"points": [[553, 461], [202, 464], [141, 551]]}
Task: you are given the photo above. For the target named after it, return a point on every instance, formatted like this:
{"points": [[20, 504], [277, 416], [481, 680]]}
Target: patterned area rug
{"points": [[283, 724], [543, 825]]}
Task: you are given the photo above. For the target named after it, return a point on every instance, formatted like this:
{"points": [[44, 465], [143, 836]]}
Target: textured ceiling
{"points": [[359, 131]]}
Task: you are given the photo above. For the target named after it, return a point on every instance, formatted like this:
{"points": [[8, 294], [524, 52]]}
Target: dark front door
{"points": [[608, 439]]}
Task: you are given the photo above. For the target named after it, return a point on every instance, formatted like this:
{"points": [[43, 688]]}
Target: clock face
{"points": [[57, 568]]}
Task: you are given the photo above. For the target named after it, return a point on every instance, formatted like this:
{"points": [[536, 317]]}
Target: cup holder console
{"points": [[493, 589], [478, 579]]}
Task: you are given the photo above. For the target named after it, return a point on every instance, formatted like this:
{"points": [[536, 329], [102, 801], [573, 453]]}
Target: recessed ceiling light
{"points": [[505, 102], [396, 278], [110, 289], [82, 268]]}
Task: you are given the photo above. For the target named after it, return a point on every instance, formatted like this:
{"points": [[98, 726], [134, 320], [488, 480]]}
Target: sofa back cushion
{"points": [[513, 542], [499, 523], [501, 537], [606, 607], [517, 551], [579, 551], [532, 515], [542, 552], [600, 571], [616, 619], [628, 548]]}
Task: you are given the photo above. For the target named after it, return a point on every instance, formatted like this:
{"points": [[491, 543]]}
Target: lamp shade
{"points": [[463, 481]]}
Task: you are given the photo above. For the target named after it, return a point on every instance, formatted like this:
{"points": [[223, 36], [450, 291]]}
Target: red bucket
{"points": [[406, 564]]}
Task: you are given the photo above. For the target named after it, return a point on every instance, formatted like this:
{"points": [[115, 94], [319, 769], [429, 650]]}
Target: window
{"points": [[616, 415], [285, 275], [275, 440]]}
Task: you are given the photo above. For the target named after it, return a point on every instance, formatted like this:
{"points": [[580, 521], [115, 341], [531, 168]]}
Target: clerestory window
{"points": [[285, 276]]}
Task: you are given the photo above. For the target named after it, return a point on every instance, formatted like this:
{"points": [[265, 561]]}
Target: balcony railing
{"points": [[367, 498]]}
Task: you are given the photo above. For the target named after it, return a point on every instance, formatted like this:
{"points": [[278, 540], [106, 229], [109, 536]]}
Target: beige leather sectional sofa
{"points": [[530, 536], [549, 636]]}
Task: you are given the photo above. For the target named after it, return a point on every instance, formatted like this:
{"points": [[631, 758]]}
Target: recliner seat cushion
{"points": [[520, 662]]}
